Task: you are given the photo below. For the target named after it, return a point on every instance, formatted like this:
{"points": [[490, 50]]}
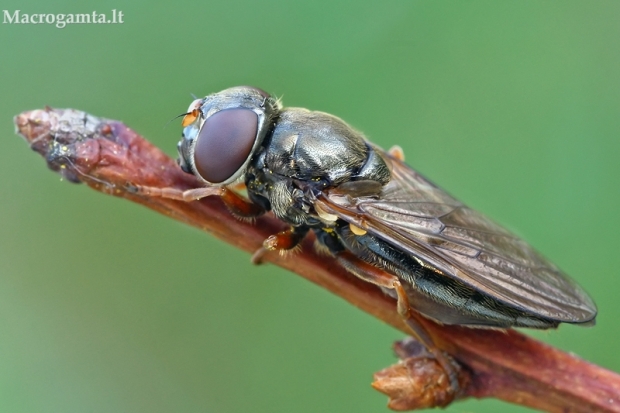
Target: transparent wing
{"points": [[416, 216]]}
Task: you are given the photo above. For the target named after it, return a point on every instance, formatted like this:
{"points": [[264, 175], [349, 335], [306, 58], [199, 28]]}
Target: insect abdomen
{"points": [[434, 294]]}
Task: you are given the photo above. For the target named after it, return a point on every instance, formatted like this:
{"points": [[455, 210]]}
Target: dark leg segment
{"points": [[239, 205]]}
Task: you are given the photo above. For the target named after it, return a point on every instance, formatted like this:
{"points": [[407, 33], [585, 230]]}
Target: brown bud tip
{"points": [[417, 381], [414, 384]]}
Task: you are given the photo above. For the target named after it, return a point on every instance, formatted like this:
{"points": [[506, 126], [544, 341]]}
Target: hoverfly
{"points": [[382, 220]]}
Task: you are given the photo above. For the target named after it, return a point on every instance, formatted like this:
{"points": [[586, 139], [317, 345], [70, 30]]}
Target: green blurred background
{"points": [[107, 307]]}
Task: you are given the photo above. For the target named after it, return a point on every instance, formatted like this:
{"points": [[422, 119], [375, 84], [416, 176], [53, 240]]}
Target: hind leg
{"points": [[381, 278]]}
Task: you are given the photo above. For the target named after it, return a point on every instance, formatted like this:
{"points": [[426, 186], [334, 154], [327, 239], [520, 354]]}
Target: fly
{"points": [[384, 222]]}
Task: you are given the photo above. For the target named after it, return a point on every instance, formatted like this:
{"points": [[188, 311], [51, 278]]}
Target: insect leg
{"points": [[379, 277], [237, 204], [174, 193], [282, 241]]}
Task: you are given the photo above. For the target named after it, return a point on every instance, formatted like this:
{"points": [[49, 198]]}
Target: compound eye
{"points": [[224, 143]]}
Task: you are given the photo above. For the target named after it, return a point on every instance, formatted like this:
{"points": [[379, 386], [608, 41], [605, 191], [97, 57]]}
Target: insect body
{"points": [[383, 221]]}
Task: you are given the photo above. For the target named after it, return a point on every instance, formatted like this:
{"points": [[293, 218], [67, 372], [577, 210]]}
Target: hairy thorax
{"points": [[308, 152]]}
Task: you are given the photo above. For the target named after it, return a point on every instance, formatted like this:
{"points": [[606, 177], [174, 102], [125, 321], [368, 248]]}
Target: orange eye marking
{"points": [[189, 118]]}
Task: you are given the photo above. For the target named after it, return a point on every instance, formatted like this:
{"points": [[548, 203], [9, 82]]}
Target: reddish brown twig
{"points": [[111, 158]]}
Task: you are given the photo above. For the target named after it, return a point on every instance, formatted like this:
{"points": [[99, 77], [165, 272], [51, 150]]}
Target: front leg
{"points": [[238, 205]]}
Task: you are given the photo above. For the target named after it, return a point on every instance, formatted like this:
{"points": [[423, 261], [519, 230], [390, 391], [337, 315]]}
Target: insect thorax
{"points": [[308, 152]]}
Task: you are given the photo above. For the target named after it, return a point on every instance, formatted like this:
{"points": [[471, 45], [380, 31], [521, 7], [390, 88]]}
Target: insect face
{"points": [[222, 132]]}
